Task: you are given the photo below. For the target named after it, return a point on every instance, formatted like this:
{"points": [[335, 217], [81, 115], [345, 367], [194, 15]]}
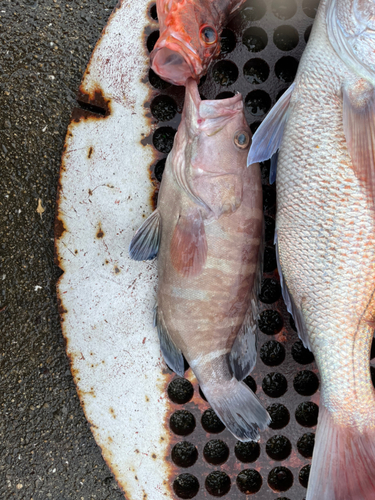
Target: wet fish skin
{"points": [[325, 235], [210, 215], [189, 36]]}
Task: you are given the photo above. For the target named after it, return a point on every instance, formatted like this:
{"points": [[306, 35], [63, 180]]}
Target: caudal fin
{"points": [[343, 462], [238, 408]]}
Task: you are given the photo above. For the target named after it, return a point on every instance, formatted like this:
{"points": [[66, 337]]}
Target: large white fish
{"points": [[324, 126], [207, 232]]}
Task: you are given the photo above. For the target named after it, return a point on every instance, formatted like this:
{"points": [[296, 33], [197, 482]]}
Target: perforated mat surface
{"points": [[261, 48]]}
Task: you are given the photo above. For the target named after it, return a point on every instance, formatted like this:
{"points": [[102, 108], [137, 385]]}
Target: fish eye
{"points": [[208, 34], [242, 139]]}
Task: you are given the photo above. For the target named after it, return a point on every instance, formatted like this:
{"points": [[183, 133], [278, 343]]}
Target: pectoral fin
{"points": [[359, 128], [171, 354], [146, 241], [267, 139], [189, 244]]}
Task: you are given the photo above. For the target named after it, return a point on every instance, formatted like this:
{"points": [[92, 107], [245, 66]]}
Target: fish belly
{"points": [[204, 313], [325, 230]]}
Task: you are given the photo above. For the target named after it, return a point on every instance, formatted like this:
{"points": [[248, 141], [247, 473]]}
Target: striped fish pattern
{"points": [[207, 232]]}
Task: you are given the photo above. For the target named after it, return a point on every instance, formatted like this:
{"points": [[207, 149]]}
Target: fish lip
{"points": [[190, 58]]}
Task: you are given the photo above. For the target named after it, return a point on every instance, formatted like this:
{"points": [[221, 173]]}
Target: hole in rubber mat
{"points": [[182, 422], [307, 414], [218, 483], [186, 486], [152, 39], [163, 108], [184, 454], [279, 416], [305, 444], [286, 38], [211, 422], [310, 7], [250, 382], [256, 71], [274, 385], [280, 479], [303, 475], [180, 390], [284, 9], [272, 353], [260, 61], [278, 447], [253, 10], [270, 322], [227, 41], [163, 139], [216, 452], [255, 39], [247, 452], [249, 481], [225, 73]]}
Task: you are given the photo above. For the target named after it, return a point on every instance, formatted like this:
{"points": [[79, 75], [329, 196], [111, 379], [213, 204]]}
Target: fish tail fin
{"points": [[238, 408], [343, 462]]}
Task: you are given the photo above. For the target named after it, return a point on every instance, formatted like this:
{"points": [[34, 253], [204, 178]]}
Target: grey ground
{"points": [[46, 447]]}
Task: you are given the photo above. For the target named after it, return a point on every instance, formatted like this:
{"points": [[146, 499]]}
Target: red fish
{"points": [[189, 36]]}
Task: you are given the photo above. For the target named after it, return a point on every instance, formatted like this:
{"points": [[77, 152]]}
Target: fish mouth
{"points": [[172, 63]]}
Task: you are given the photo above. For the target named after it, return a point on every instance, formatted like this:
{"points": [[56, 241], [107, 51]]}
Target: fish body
{"points": [[210, 224], [189, 36], [325, 235]]}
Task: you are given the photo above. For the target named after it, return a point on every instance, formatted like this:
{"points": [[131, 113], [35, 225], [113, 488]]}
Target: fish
{"points": [[189, 37], [207, 234], [323, 128]]}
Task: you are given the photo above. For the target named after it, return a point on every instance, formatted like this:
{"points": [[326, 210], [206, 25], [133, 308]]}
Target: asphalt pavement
{"points": [[46, 447]]}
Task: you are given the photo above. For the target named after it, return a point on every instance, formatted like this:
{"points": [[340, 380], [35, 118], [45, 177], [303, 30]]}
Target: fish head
{"points": [[189, 39], [217, 133], [209, 155], [351, 30]]}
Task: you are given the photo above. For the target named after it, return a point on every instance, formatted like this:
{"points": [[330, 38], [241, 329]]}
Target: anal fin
{"points": [[189, 244], [172, 355], [243, 355], [146, 241], [292, 308]]}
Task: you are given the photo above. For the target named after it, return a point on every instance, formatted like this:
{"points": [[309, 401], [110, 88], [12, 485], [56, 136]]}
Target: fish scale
{"points": [[322, 130], [326, 245]]}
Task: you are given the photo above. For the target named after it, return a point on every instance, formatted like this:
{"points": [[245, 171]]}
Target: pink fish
{"points": [[189, 36], [207, 232]]}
